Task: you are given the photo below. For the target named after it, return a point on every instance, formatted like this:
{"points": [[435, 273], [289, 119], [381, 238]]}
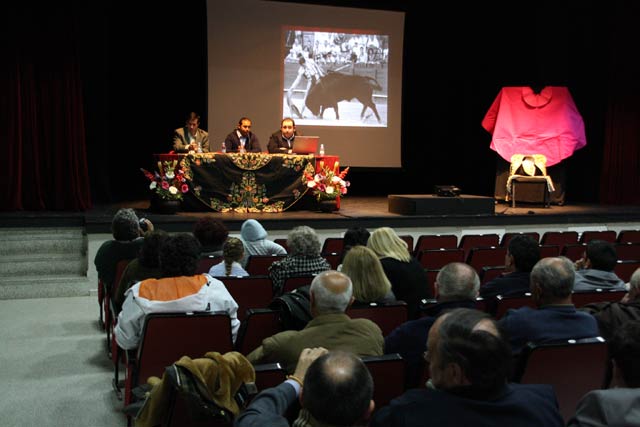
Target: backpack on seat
{"points": [[294, 308]]}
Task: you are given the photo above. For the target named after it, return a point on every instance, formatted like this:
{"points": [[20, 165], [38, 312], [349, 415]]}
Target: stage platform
{"points": [[369, 212]]}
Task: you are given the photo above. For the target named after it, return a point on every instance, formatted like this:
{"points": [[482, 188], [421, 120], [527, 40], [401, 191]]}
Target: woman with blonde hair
{"points": [[370, 284], [232, 251], [408, 278]]}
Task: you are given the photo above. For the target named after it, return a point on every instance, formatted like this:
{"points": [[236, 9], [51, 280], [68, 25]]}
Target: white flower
{"points": [[335, 179], [153, 185], [329, 189], [173, 190], [170, 174], [311, 184]]}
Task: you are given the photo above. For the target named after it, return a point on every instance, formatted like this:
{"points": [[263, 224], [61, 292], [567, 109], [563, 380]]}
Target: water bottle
{"points": [[224, 147], [199, 147], [322, 149]]}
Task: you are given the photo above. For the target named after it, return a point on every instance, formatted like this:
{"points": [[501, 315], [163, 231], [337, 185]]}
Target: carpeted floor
{"points": [[54, 370]]}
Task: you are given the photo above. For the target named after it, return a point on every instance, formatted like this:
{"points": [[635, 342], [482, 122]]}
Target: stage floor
{"points": [[370, 212]]}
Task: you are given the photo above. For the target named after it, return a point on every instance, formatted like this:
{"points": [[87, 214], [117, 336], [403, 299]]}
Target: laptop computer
{"points": [[305, 144]]}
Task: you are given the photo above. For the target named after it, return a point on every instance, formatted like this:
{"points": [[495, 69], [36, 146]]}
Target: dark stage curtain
{"points": [[620, 181], [42, 120]]}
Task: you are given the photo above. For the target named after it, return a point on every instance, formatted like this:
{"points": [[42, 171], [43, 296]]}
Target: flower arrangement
{"points": [[169, 182], [327, 183]]}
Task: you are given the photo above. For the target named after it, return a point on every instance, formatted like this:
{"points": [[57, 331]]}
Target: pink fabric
{"points": [[523, 122]]}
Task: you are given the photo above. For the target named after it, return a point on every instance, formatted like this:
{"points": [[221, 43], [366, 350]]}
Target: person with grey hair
{"points": [[127, 242], [612, 315], [469, 361], [555, 318], [331, 294], [595, 268], [456, 286], [303, 258]]}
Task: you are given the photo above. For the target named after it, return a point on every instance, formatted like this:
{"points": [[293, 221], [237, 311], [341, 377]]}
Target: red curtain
{"points": [[42, 120]]}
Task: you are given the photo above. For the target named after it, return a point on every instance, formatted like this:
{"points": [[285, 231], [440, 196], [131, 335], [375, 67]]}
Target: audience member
{"points": [[145, 266], [303, 258], [595, 268], [331, 294], [556, 317], [456, 286], [522, 254], [126, 243], [282, 141], [354, 236], [211, 233], [254, 238], [470, 364], [407, 277], [619, 405], [335, 389], [179, 290], [241, 139], [612, 315], [191, 137], [369, 281], [233, 251]]}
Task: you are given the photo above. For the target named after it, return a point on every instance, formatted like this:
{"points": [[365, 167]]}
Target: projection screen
{"points": [[337, 71]]}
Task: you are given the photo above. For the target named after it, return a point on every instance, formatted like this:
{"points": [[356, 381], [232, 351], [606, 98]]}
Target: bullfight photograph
{"points": [[335, 79]]}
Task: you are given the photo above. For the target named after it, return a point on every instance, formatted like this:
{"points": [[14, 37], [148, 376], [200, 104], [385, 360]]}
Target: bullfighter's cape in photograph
{"points": [[525, 122]]}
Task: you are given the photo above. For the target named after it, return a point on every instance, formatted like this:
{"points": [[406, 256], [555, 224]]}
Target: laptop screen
{"points": [[305, 144]]}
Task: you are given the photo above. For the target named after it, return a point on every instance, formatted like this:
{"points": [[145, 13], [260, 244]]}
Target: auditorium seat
{"points": [[581, 298], [549, 251], [503, 304], [259, 323], [294, 282], [190, 334], [387, 316], [606, 235], [333, 259], [332, 245], [258, 265], [572, 367], [480, 257], [282, 242], [469, 241], [435, 241], [490, 272], [388, 372], [249, 292], [628, 236], [560, 238], [628, 251], [205, 263], [506, 237], [574, 251], [624, 269], [435, 259]]}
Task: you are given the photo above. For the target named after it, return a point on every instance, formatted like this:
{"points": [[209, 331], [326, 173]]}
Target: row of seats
{"points": [[469, 241], [562, 364]]}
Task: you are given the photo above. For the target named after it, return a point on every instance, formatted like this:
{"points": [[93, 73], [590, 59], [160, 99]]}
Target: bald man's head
{"points": [[331, 292]]}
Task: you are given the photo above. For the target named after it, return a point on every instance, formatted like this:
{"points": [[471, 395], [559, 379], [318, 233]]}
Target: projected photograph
{"points": [[335, 78]]}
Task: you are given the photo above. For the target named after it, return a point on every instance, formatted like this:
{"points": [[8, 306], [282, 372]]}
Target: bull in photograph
{"points": [[336, 87]]}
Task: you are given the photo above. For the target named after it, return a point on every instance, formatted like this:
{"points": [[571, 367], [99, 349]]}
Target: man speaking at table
{"points": [[241, 139]]}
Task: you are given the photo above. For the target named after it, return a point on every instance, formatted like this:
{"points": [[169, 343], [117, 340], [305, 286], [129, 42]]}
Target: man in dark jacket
{"points": [[470, 362], [612, 315]]}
